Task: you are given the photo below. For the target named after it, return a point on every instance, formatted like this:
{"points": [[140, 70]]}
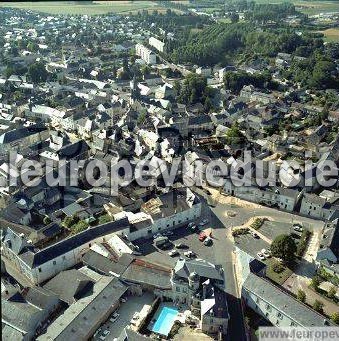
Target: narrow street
{"points": [[223, 254]]}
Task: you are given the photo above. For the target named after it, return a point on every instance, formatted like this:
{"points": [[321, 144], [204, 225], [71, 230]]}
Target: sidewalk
{"points": [[296, 282]]}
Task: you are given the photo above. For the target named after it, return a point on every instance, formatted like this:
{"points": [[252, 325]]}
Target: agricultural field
{"points": [[77, 7], [308, 6], [331, 34]]}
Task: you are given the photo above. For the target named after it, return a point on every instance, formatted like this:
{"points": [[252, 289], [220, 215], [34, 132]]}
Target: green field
{"points": [[76, 7], [308, 6]]}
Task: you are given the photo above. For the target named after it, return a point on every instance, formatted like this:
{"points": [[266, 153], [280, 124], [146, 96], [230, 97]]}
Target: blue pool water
{"points": [[165, 321]]}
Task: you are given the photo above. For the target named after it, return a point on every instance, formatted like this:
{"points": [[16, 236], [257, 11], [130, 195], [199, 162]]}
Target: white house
{"points": [[145, 54]]}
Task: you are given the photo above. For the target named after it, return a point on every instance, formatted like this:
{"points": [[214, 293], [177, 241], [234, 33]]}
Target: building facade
{"points": [[145, 54]]}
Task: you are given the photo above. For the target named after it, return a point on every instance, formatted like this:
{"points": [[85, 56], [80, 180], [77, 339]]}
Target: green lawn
{"points": [[279, 278], [76, 7]]}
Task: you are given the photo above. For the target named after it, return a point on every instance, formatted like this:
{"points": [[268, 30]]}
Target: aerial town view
{"points": [[169, 170]]}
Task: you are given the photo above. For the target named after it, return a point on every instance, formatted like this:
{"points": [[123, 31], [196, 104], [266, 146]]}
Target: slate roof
{"points": [[15, 242], [201, 119], [20, 133], [184, 268], [282, 301], [39, 297], [102, 264], [70, 243], [73, 150], [331, 240], [77, 322], [78, 285]]}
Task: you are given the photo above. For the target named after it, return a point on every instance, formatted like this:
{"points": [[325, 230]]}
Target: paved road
{"points": [[219, 253]]}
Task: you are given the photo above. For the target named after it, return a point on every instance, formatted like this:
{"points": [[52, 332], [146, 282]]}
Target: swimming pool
{"points": [[165, 321]]}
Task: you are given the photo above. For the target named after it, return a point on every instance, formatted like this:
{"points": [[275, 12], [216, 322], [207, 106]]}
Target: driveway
{"points": [[126, 311]]}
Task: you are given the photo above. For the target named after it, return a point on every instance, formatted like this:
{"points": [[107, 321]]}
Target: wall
{"points": [[266, 310]]}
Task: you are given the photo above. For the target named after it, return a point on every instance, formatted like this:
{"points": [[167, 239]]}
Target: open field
{"points": [[309, 7], [331, 34], [76, 7]]}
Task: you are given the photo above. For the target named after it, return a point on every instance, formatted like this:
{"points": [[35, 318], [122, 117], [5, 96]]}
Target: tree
{"points": [[234, 17], [9, 71], [315, 282], [32, 47], [335, 318], [318, 306], [284, 247], [79, 227], [69, 221], [331, 293], [234, 135], [301, 296], [37, 72]]}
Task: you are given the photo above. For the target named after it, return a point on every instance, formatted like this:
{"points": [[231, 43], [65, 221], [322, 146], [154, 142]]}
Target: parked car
{"points": [[123, 300], [173, 253], [97, 332], [157, 235], [114, 317], [208, 241], [168, 233], [159, 241], [192, 223], [254, 235], [104, 334], [180, 246], [189, 254], [203, 222], [261, 256], [266, 253], [202, 236], [194, 228], [297, 227]]}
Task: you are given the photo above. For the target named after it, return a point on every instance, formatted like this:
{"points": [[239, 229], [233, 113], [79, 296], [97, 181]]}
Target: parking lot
{"points": [[185, 236], [126, 311], [272, 229], [250, 245]]}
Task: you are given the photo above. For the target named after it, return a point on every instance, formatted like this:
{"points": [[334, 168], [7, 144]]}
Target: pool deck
{"points": [[180, 316]]}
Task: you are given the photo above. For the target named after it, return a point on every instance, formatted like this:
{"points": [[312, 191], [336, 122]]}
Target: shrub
{"points": [[315, 282], [175, 328], [302, 245], [257, 223], [301, 296], [103, 219], [335, 318], [277, 267], [239, 232], [69, 221], [79, 227], [331, 293], [318, 306]]}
